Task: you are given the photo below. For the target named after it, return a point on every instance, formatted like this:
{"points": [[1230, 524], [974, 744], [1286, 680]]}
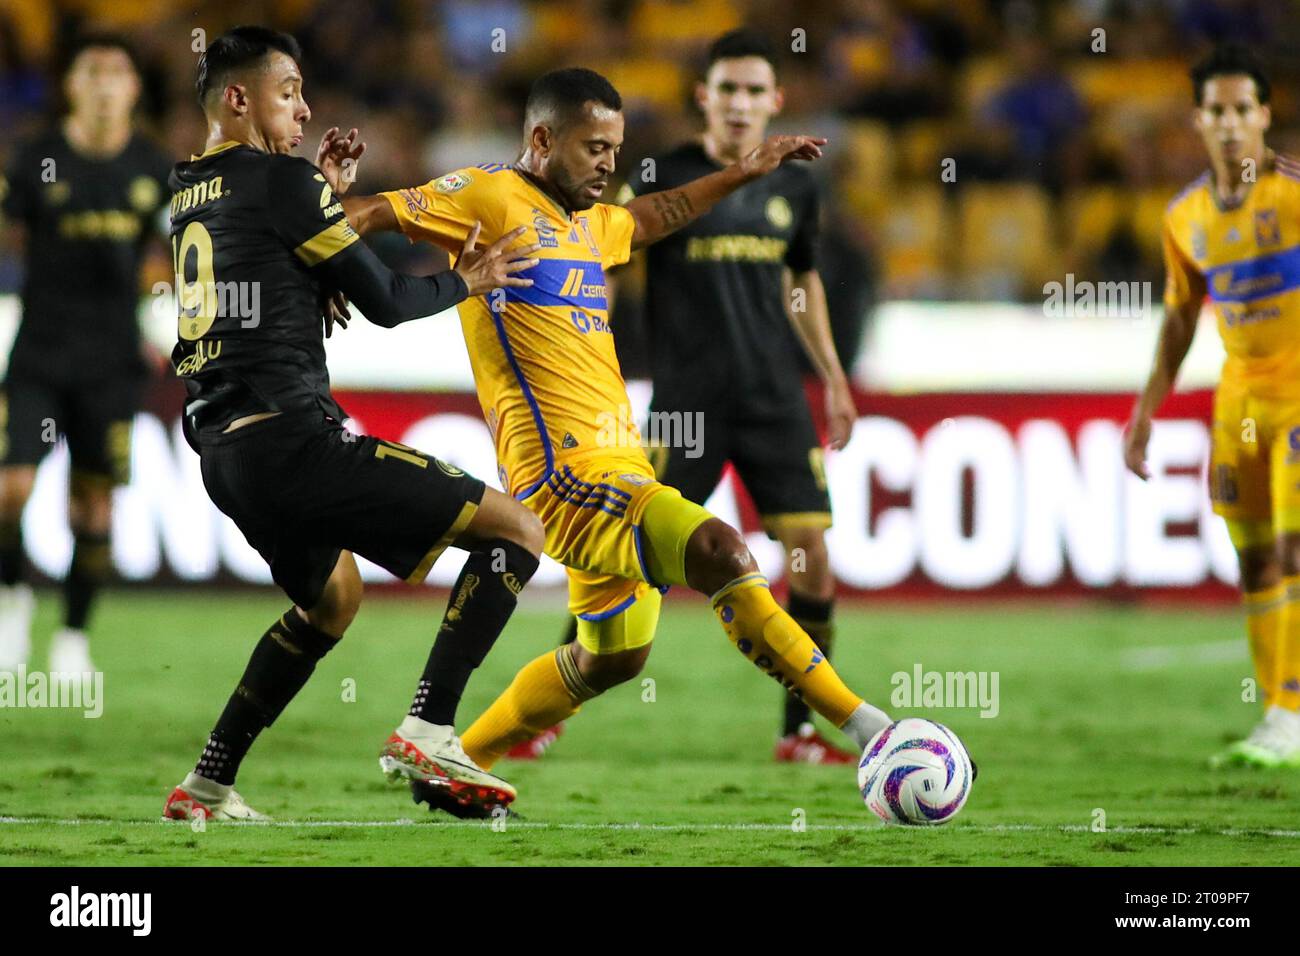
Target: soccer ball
{"points": [[915, 772]]}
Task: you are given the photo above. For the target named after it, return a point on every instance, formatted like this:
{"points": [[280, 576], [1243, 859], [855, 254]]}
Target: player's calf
{"points": [[767, 635]]}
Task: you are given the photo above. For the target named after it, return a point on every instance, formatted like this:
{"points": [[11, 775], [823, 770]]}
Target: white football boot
{"points": [[1275, 742], [16, 607], [431, 754], [198, 796], [70, 653]]}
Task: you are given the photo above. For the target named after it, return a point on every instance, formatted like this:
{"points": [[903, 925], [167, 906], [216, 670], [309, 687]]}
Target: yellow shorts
{"points": [[593, 512], [1254, 471]]}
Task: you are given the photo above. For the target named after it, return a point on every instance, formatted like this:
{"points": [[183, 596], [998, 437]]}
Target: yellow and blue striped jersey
{"points": [[547, 376], [1247, 259]]}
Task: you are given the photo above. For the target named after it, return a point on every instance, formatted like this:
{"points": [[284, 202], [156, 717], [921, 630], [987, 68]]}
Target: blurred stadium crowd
{"points": [[1067, 121]]}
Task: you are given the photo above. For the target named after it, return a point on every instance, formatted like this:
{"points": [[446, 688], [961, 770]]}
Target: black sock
{"points": [[570, 632], [481, 602], [281, 663], [11, 552], [815, 618], [90, 568]]}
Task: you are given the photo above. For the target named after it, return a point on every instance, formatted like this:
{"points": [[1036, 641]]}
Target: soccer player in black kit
{"points": [[730, 300], [260, 242], [86, 195]]}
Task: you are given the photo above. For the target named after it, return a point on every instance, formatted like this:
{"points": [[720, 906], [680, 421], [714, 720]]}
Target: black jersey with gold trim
{"points": [[715, 303], [247, 228], [86, 220]]}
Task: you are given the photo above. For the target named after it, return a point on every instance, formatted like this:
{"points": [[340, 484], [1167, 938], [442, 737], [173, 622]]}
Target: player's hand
{"points": [[1135, 447], [495, 266], [841, 413], [776, 150], [334, 310], [338, 158]]}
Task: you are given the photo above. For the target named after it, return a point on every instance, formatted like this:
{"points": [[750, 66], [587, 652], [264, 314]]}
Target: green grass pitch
{"points": [[1103, 710]]}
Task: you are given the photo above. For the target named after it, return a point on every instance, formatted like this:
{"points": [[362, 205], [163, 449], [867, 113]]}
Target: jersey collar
{"points": [[564, 213], [220, 148]]}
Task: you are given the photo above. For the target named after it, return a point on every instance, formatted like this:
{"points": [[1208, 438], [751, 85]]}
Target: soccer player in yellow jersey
{"points": [[554, 398], [1234, 234]]}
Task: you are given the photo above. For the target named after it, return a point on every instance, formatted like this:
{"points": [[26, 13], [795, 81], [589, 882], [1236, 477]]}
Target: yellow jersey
{"points": [[1248, 257], [547, 376]]}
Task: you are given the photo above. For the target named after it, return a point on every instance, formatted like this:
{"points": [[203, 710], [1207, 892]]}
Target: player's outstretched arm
{"points": [[370, 214], [390, 298], [661, 213]]}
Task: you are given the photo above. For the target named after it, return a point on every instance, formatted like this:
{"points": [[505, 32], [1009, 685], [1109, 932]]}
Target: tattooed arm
{"points": [[659, 214]]}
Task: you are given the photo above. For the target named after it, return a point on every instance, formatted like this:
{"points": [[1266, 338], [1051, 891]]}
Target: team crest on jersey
{"points": [[452, 182], [1268, 232], [143, 194], [778, 212]]}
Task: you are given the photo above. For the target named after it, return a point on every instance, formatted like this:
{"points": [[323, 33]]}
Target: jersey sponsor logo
{"points": [[415, 201], [585, 323], [143, 194], [1267, 230], [1255, 278], [637, 480], [450, 471], [116, 224], [452, 182], [205, 192], [329, 212], [204, 352], [778, 212], [735, 249]]}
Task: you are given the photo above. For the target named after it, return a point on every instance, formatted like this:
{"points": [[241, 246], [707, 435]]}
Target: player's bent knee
{"points": [[715, 555], [1290, 553], [1261, 568], [341, 599], [603, 671], [500, 516]]}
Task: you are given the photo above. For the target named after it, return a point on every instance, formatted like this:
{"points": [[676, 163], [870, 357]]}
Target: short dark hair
{"points": [[740, 42], [556, 97], [94, 41], [236, 50], [1230, 59]]}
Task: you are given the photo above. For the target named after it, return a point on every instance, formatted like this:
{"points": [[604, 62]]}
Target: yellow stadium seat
{"points": [[1005, 240]]}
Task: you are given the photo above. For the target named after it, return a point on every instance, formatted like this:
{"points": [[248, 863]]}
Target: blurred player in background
{"points": [[725, 329], [553, 395], [1234, 234], [86, 195]]}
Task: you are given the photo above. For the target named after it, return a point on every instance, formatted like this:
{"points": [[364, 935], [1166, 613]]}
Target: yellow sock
{"points": [[543, 693], [1279, 644], [766, 634], [1263, 631]]}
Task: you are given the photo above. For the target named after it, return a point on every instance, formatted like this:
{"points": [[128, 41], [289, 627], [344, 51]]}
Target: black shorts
{"points": [[777, 456], [301, 489], [94, 417]]}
